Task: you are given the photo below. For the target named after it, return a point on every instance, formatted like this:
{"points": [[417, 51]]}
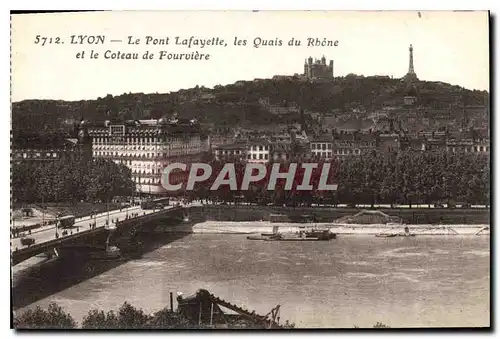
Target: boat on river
{"points": [[386, 235], [321, 234], [275, 231], [406, 233], [262, 238], [315, 235], [295, 239]]}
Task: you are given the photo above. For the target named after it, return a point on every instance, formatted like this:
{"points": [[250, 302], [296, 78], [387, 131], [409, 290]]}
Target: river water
{"points": [[426, 281]]}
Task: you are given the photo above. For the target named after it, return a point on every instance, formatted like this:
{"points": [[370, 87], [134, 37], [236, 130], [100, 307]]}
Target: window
{"points": [[313, 146], [323, 147], [261, 156], [249, 156], [254, 156], [329, 146], [329, 154], [261, 148], [266, 156], [480, 149]]}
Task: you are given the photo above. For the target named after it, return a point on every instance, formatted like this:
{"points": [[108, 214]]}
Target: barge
{"points": [[313, 235]]}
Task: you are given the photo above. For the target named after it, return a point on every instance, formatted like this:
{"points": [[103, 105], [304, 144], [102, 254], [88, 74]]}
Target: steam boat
{"points": [[311, 235]]}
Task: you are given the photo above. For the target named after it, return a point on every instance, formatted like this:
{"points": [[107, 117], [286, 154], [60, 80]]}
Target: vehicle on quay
{"points": [[66, 221], [27, 241]]}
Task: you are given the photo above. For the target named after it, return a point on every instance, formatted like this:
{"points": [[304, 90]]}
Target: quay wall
{"points": [[417, 216], [254, 227]]}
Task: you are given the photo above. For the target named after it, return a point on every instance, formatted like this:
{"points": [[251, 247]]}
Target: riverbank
{"points": [[252, 227], [324, 214]]}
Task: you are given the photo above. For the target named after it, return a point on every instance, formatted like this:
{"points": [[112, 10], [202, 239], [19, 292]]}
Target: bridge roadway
{"points": [[45, 237]]}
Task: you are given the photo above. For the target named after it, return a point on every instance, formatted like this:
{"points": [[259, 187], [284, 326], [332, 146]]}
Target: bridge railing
{"points": [[27, 251]]}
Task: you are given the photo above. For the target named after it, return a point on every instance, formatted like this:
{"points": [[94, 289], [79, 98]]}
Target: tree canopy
{"points": [[70, 179], [406, 178]]}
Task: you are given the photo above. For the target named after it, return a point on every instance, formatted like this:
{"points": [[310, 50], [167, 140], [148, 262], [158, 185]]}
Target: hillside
{"points": [[245, 103]]}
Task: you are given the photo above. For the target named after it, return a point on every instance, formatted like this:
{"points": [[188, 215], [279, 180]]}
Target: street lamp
{"points": [[57, 225], [43, 213], [107, 211]]}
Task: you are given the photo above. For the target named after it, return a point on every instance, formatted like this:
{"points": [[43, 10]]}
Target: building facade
{"points": [[258, 151], [147, 146], [353, 144], [37, 147], [322, 147], [468, 146], [236, 151]]}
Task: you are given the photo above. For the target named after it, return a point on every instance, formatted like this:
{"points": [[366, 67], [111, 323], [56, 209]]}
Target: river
{"points": [[426, 281]]}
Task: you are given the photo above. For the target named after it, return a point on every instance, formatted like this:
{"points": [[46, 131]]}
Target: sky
{"points": [[451, 47]]}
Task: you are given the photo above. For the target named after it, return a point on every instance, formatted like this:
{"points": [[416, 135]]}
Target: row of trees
{"points": [[71, 179], [407, 178], [415, 178], [404, 178], [127, 317]]}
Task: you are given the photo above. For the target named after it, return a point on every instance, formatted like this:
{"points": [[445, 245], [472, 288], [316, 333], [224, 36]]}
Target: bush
{"points": [[96, 319], [53, 318]]}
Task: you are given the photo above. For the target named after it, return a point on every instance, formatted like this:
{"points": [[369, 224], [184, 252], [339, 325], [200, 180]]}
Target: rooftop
{"points": [[239, 145], [323, 138]]}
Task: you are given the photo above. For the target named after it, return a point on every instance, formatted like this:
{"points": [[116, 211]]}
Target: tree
{"points": [[53, 318], [70, 179], [130, 317], [96, 319], [166, 319]]}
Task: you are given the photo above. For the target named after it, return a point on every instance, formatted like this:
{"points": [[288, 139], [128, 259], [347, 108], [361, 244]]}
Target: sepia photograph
{"points": [[250, 170]]}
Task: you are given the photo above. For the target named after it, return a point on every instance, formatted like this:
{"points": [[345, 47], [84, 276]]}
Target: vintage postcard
{"points": [[250, 170]]}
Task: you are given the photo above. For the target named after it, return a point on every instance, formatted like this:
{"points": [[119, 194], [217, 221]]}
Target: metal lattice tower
{"points": [[411, 70]]}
